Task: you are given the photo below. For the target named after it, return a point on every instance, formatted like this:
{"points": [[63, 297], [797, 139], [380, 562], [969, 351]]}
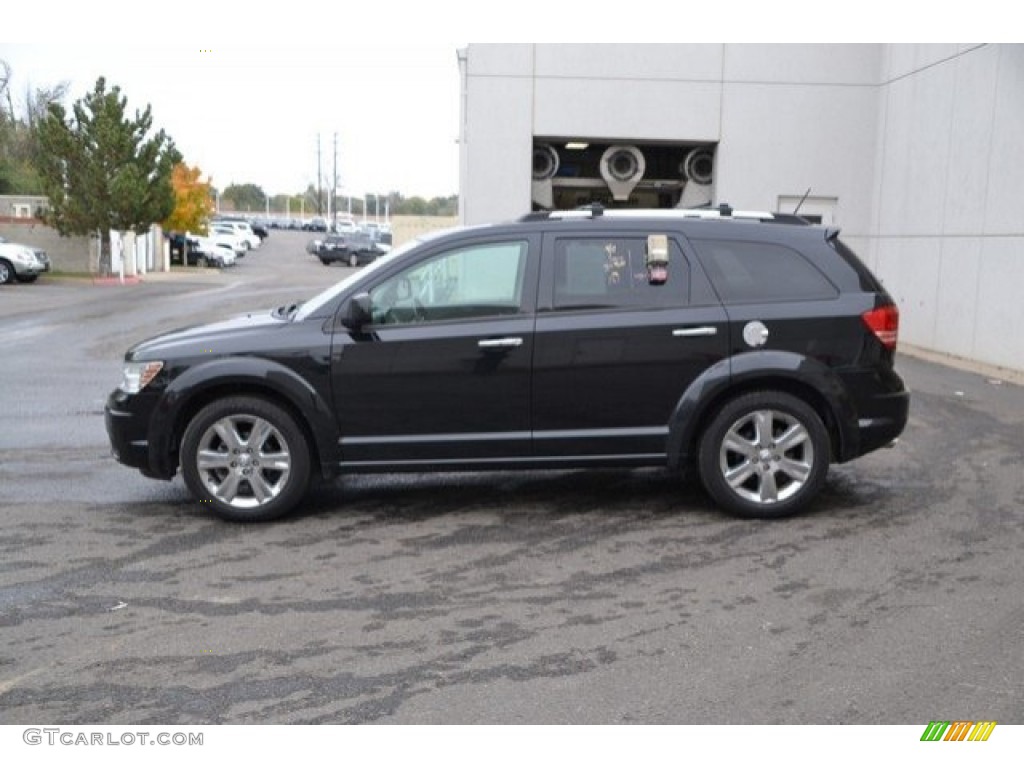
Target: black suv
{"points": [[754, 348]]}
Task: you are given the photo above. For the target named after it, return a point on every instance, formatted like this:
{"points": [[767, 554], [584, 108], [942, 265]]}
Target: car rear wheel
{"points": [[246, 458], [6, 272], [764, 454]]}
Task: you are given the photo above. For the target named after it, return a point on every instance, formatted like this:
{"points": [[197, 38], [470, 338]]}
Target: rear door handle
{"points": [[704, 330], [506, 343]]}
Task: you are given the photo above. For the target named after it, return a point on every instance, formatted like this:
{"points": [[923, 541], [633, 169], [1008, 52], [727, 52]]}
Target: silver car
{"points": [[21, 262]]}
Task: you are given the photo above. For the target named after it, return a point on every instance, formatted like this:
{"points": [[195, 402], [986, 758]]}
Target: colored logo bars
{"points": [[958, 730]]}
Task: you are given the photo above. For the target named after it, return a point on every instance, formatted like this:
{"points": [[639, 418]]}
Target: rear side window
{"points": [[868, 282], [750, 272], [611, 272]]}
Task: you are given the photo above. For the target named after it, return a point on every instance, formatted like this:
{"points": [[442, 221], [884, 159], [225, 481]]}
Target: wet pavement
{"points": [[557, 597]]}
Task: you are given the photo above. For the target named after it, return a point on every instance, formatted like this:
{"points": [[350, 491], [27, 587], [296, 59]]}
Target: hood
{"points": [[225, 337]]}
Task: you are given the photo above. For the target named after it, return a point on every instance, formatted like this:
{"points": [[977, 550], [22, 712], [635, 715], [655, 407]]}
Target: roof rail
{"points": [[721, 212]]}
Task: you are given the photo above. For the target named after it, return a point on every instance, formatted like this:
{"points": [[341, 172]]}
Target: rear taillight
{"points": [[884, 322]]}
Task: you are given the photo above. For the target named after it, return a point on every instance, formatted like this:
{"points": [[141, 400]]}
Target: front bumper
{"points": [[22, 269], [127, 423]]}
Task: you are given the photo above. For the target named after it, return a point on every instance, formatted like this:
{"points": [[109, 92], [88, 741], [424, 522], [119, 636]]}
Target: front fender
{"points": [[761, 369], [237, 375]]}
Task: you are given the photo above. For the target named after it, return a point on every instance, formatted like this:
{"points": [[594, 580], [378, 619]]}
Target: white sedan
{"points": [[216, 253], [227, 236]]}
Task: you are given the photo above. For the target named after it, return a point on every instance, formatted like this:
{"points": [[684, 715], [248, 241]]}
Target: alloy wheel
{"points": [[243, 461]]}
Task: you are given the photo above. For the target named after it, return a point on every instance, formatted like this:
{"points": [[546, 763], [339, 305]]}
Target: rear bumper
{"points": [[882, 405], [878, 431]]}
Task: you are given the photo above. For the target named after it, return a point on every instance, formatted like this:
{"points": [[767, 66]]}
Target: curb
{"points": [[152, 277]]}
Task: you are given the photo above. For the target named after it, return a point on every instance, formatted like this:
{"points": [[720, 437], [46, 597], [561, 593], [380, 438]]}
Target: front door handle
{"points": [[704, 330], [506, 343]]}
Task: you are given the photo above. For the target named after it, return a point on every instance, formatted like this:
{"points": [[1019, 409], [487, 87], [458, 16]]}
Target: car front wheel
{"points": [[246, 458], [764, 454], [6, 272]]}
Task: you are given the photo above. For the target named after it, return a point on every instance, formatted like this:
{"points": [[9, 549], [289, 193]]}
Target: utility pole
{"points": [[319, 179], [334, 186]]}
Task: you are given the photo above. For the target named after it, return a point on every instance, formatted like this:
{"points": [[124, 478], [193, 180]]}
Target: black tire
{"points": [[26, 278], [353, 260], [6, 272], [232, 481], [325, 262], [764, 454]]}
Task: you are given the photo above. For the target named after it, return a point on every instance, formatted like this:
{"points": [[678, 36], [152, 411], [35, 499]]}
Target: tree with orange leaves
{"points": [[192, 202]]}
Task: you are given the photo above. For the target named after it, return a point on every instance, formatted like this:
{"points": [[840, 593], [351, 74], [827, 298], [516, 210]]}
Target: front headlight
{"points": [[25, 256], [135, 376]]}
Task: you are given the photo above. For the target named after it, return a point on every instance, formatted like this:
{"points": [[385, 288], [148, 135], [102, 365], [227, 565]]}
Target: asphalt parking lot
{"points": [[557, 597]]}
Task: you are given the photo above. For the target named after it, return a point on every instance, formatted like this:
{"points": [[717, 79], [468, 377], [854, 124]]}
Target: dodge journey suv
{"points": [[753, 348]]}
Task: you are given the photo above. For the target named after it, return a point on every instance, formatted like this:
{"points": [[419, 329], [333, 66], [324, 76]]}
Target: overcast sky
{"points": [[252, 85], [252, 114]]}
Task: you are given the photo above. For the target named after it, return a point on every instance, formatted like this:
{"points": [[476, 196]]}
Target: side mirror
{"points": [[357, 312]]}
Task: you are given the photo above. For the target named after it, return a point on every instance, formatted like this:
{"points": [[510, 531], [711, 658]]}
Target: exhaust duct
{"points": [[697, 170], [545, 166], [622, 167]]}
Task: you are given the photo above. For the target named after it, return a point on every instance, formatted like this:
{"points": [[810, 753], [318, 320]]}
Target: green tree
{"points": [[102, 170], [400, 205], [18, 148], [244, 197]]}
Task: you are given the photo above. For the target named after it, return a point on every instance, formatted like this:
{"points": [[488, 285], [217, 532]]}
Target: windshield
{"points": [[310, 307]]}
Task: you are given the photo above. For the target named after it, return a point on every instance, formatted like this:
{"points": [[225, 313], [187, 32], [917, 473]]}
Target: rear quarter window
{"points": [[753, 272]]}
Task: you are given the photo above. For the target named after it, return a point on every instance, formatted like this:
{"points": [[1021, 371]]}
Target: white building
{"points": [[915, 151]]}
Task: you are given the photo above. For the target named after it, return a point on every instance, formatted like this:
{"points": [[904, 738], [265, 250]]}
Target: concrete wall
{"points": [[67, 254], [948, 219], [913, 150]]}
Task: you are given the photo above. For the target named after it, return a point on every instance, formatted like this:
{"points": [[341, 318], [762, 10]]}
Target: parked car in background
{"points": [[261, 227], [241, 228], [229, 237], [21, 263], [343, 225], [381, 233], [197, 251], [200, 251], [352, 248], [217, 254]]}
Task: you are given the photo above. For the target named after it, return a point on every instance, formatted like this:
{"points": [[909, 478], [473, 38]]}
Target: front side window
{"points": [[593, 273], [471, 282]]}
